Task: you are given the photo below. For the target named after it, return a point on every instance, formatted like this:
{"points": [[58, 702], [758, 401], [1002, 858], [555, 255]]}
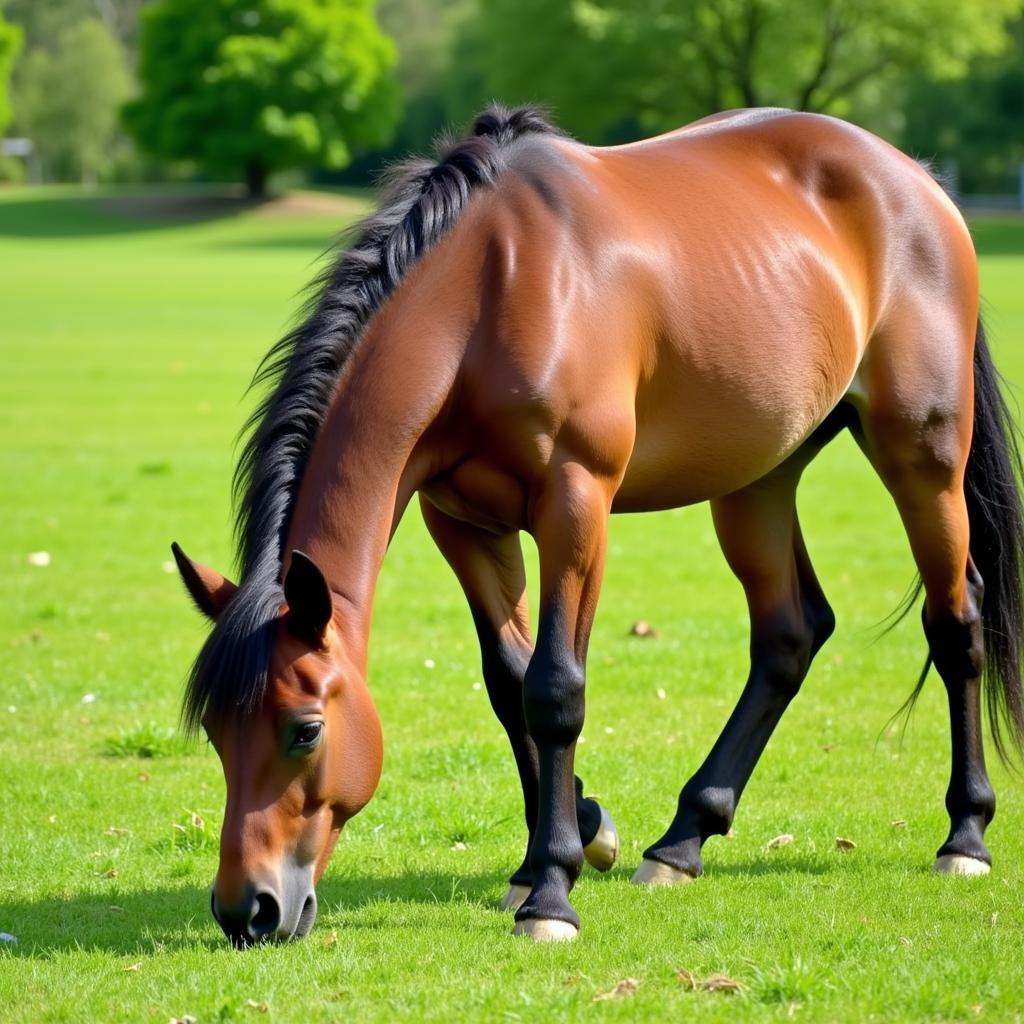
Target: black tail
{"points": [[992, 488]]}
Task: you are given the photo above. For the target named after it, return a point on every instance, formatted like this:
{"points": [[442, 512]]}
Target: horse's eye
{"points": [[307, 736]]}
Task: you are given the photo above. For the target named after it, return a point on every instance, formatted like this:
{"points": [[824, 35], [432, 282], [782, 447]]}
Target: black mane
{"points": [[421, 201]]}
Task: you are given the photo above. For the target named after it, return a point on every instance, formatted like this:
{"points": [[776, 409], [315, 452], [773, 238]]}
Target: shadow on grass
{"points": [[171, 918], [178, 917], [45, 215]]}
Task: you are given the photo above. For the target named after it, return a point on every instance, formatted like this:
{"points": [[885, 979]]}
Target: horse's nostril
{"points": [[307, 916], [266, 916]]}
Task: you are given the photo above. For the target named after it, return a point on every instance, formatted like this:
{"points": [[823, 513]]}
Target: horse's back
{"points": [[750, 259]]}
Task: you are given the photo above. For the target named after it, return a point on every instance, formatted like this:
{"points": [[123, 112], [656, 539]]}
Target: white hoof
{"points": [[655, 873], [603, 850], [967, 867], [546, 929], [515, 897]]}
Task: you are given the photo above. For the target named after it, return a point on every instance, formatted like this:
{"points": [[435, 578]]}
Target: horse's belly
{"points": [[700, 438]]}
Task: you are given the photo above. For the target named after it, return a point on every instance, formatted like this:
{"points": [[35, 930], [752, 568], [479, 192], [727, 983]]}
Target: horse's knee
{"points": [[553, 699]]}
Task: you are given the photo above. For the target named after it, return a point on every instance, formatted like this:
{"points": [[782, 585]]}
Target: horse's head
{"points": [[298, 764]]}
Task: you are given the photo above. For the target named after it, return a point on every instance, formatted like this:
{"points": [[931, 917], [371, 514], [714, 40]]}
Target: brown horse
{"points": [[531, 334]]}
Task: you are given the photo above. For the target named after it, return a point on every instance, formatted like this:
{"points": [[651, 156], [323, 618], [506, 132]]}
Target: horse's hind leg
{"points": [[921, 459], [490, 569], [789, 621]]}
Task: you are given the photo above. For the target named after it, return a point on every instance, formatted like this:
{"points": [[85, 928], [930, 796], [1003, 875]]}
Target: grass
{"points": [[126, 349]]}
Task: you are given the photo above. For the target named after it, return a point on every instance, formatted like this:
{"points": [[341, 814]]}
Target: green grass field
{"points": [[125, 348]]}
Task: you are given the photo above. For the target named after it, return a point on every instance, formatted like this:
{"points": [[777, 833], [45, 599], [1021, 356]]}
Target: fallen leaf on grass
{"points": [[621, 989], [784, 840], [716, 983], [261, 1007], [114, 831], [904, 941], [845, 844], [898, 823], [133, 967], [720, 983], [187, 1019], [687, 979], [143, 776], [115, 910], [331, 940], [109, 873]]}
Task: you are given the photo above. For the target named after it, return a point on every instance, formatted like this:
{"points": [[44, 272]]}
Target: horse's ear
{"points": [[210, 591], [310, 605]]}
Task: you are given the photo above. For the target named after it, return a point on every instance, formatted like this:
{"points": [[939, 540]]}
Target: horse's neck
{"points": [[365, 466]]}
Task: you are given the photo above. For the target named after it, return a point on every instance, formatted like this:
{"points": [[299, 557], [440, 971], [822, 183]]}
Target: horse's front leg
{"points": [[489, 566], [569, 524]]}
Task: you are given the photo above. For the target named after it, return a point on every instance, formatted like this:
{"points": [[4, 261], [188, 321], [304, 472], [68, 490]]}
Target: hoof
{"points": [[515, 897], [654, 873], [542, 929], [955, 864], [603, 850]]}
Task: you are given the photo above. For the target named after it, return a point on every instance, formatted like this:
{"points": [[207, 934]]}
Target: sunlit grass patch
{"points": [[147, 740]]}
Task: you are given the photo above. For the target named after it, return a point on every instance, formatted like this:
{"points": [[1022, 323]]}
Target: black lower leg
{"points": [[781, 654], [957, 650], [504, 668], [553, 702]]}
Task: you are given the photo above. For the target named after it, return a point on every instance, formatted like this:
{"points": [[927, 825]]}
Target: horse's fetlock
{"points": [[713, 806], [978, 800]]}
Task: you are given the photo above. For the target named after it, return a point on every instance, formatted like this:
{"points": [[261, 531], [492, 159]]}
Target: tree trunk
{"points": [[256, 179]]}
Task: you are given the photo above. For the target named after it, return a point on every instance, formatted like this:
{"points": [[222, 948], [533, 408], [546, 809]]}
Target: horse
{"points": [[530, 334]]}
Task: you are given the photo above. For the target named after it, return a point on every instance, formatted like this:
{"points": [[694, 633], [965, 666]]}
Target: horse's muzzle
{"points": [[260, 917]]}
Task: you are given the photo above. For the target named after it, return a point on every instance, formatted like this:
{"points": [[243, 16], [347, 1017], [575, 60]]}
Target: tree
{"points": [[68, 98], [10, 44], [662, 62], [976, 122], [247, 87], [42, 21]]}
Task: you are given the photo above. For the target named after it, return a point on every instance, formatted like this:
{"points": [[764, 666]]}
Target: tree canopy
{"points": [[661, 62], [252, 86], [10, 44], [68, 97]]}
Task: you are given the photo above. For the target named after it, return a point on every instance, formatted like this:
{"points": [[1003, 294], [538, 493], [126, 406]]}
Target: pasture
{"points": [[126, 344]]}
